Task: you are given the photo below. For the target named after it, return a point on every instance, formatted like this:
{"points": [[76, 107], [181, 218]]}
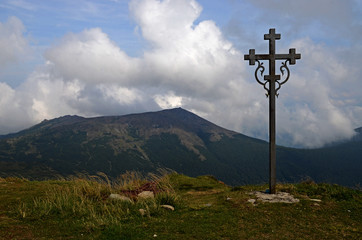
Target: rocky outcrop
{"points": [[279, 197]]}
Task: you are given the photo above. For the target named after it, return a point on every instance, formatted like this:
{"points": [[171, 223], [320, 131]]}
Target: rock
{"points": [[315, 200], [119, 197], [252, 201], [146, 194], [228, 198], [169, 207], [142, 211], [280, 197], [208, 205]]}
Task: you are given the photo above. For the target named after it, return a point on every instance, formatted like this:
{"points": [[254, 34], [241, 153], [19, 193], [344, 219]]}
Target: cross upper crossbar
{"points": [[252, 57], [272, 36]]}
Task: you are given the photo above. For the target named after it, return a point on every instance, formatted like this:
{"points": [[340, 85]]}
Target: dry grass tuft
{"points": [[87, 197]]}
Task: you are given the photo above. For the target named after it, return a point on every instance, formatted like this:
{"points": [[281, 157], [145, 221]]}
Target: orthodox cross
{"points": [[274, 85]]}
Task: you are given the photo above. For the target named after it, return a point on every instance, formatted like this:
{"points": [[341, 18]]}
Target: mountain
{"points": [[174, 139], [358, 136]]}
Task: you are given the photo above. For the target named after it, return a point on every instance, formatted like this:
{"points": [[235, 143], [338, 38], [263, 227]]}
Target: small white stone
{"points": [[252, 201], [146, 194], [119, 197], [169, 207], [142, 211]]}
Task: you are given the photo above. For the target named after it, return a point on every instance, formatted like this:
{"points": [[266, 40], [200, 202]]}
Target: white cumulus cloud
{"points": [[189, 64], [13, 44]]}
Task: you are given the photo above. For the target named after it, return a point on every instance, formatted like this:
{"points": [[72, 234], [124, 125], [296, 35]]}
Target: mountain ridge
{"points": [[176, 139]]}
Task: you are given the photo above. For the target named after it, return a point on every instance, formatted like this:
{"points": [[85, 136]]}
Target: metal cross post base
{"points": [[272, 90]]}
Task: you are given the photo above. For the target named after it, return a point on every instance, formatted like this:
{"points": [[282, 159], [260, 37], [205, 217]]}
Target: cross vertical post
{"points": [[272, 80]]}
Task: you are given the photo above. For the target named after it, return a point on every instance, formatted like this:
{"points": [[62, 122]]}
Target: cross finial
{"points": [[293, 56], [251, 57], [272, 35]]}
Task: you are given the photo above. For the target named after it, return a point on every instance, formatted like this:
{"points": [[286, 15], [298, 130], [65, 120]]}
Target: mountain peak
{"points": [[358, 130], [174, 139]]}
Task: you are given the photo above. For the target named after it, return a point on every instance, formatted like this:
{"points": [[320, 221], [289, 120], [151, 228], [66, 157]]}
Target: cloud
{"points": [[165, 21], [310, 112], [13, 44], [327, 20], [168, 101], [191, 65], [13, 115], [91, 57], [182, 55], [311, 10]]}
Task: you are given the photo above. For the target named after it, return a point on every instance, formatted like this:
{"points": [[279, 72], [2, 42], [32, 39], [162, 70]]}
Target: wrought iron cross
{"points": [[272, 90]]}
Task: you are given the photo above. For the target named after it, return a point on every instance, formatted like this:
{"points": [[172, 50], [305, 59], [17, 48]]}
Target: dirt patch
{"points": [[202, 193], [149, 186], [15, 231]]}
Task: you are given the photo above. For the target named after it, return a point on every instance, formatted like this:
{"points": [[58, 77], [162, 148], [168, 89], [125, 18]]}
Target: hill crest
{"points": [[176, 139]]}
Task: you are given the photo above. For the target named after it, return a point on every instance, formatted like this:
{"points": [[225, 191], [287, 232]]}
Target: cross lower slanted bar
{"points": [[272, 79]]}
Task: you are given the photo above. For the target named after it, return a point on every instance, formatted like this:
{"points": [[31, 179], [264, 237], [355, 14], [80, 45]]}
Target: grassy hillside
{"points": [[205, 208]]}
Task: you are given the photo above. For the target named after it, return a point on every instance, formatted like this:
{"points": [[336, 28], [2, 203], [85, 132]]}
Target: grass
{"points": [[79, 208]]}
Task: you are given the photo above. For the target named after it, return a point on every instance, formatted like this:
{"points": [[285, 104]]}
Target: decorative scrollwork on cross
{"points": [[283, 68], [261, 68]]}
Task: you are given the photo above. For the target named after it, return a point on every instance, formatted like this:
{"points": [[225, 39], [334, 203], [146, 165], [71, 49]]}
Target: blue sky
{"points": [[113, 57]]}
